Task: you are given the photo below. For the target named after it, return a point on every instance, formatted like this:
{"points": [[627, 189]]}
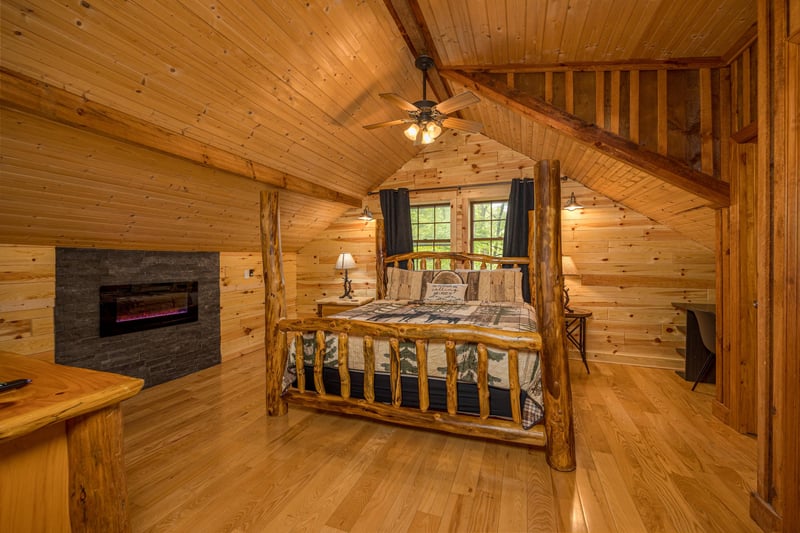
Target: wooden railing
{"points": [[511, 342]]}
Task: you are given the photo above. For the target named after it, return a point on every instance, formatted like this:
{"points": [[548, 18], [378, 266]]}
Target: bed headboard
{"points": [[433, 261]]}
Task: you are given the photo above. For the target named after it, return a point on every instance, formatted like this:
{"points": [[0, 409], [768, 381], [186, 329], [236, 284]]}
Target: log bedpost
{"points": [[380, 258], [558, 420], [274, 301]]}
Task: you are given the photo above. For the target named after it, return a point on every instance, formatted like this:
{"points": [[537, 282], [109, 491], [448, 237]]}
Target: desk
{"points": [[61, 453], [575, 324], [335, 301]]}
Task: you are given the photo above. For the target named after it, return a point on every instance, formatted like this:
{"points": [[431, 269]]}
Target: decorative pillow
{"points": [[446, 292], [501, 285]]}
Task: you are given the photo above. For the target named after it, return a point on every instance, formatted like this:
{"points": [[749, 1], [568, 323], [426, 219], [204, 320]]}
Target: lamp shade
{"points": [[345, 261], [366, 214], [568, 267], [573, 203]]}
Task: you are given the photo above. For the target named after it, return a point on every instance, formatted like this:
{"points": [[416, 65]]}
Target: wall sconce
{"points": [[572, 203], [345, 262], [366, 215], [568, 268]]}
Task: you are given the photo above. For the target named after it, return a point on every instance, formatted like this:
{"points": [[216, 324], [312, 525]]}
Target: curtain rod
{"points": [[448, 187]]}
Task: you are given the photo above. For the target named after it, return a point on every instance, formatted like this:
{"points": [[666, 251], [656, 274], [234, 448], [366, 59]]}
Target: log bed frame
{"points": [[544, 266]]}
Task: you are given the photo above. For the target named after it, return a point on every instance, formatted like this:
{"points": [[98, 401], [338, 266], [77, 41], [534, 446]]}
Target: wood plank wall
{"points": [[738, 241], [27, 299], [631, 268]]}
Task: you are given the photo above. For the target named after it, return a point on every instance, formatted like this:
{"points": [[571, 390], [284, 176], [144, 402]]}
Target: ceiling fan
{"points": [[426, 117]]}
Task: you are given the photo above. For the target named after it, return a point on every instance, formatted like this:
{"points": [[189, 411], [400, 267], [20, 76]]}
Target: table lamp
{"points": [[344, 262], [568, 268]]}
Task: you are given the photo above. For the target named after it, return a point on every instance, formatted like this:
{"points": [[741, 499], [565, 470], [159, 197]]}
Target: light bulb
{"points": [[433, 129], [411, 132]]}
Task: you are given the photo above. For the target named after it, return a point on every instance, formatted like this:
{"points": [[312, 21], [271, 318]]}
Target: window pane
{"points": [[488, 227], [431, 227]]}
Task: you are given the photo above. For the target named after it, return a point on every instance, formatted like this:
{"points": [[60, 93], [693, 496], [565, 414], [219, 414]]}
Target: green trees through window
{"points": [[431, 227], [488, 227]]}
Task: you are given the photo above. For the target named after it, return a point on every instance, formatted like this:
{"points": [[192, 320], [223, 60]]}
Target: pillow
{"points": [[402, 284], [501, 285], [446, 292]]}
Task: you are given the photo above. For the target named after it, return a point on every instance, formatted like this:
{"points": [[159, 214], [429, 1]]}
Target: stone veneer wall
{"points": [[155, 355]]}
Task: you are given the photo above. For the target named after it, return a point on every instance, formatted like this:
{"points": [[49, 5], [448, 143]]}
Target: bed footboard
{"points": [[482, 425]]}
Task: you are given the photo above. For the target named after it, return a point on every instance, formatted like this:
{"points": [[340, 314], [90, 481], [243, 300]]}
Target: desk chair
{"points": [[707, 322]]}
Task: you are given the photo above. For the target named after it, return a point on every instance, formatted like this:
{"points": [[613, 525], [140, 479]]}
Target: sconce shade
{"points": [[345, 261], [366, 214], [572, 203]]}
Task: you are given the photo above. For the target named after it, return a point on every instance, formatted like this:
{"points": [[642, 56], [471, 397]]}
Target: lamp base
{"points": [[566, 300], [348, 283]]}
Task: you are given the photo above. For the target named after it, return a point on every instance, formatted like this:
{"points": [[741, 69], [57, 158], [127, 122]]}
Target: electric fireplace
{"points": [[137, 307]]}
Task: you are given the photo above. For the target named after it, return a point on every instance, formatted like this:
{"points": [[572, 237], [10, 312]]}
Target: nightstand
{"points": [[575, 323], [335, 301]]}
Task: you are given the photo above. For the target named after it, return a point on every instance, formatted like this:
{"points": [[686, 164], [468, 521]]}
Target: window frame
{"points": [[492, 220]]}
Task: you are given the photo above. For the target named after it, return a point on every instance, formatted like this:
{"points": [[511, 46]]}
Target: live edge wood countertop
{"points": [[61, 454]]}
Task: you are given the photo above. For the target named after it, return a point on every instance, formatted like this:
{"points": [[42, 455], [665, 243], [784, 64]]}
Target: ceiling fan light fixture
{"points": [[433, 129], [412, 131]]}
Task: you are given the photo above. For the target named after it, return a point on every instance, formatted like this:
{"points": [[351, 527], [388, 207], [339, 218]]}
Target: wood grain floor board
{"points": [[201, 455]]}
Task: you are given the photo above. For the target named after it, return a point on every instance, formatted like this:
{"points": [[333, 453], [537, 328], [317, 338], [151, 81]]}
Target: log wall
{"points": [[631, 268]]}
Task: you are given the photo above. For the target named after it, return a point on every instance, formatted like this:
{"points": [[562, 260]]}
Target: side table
{"points": [[335, 301], [575, 324]]}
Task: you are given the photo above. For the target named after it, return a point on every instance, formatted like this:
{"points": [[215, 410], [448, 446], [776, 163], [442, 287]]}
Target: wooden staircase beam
{"points": [[715, 192]]}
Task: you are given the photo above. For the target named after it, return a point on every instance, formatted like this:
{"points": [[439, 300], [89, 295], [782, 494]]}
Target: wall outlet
{"points": [[249, 273]]}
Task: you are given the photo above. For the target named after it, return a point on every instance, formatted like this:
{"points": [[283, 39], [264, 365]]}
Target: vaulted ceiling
{"points": [[280, 91]]}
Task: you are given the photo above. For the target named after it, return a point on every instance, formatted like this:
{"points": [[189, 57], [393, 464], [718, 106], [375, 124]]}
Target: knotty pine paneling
{"points": [[27, 298], [631, 267], [62, 186], [315, 273]]}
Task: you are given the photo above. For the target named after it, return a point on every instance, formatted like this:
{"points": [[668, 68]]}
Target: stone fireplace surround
{"points": [[155, 355]]}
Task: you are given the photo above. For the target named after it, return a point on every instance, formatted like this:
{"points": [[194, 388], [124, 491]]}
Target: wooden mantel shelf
{"points": [[61, 455]]}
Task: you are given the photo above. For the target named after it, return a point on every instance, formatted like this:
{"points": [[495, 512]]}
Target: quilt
{"points": [[508, 316]]}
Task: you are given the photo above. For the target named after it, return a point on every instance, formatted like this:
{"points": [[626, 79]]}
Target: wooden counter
{"points": [[61, 456]]}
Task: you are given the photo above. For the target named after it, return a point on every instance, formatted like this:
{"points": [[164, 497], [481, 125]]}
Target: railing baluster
{"points": [[344, 369], [422, 375], [513, 385], [452, 377], [394, 358], [369, 369], [299, 360], [319, 358], [483, 380]]}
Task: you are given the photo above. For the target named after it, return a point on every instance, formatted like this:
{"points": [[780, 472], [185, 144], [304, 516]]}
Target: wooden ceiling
{"points": [[280, 91]]}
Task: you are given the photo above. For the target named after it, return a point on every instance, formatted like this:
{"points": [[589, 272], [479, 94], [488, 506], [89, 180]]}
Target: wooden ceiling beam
{"points": [[686, 63], [715, 192], [24, 93], [411, 24]]}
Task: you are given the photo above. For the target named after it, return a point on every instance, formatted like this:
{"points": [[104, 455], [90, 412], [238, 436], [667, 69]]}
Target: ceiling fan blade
{"points": [[387, 123], [400, 102], [457, 102], [463, 125]]}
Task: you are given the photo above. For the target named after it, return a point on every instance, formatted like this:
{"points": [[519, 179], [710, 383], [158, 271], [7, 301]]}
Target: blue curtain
{"points": [[396, 210], [515, 238]]}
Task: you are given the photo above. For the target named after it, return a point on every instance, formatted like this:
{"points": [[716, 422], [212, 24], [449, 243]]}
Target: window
{"points": [[430, 227], [488, 226]]}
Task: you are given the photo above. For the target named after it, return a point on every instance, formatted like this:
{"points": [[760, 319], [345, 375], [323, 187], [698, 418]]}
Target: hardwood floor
{"points": [[202, 455]]}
